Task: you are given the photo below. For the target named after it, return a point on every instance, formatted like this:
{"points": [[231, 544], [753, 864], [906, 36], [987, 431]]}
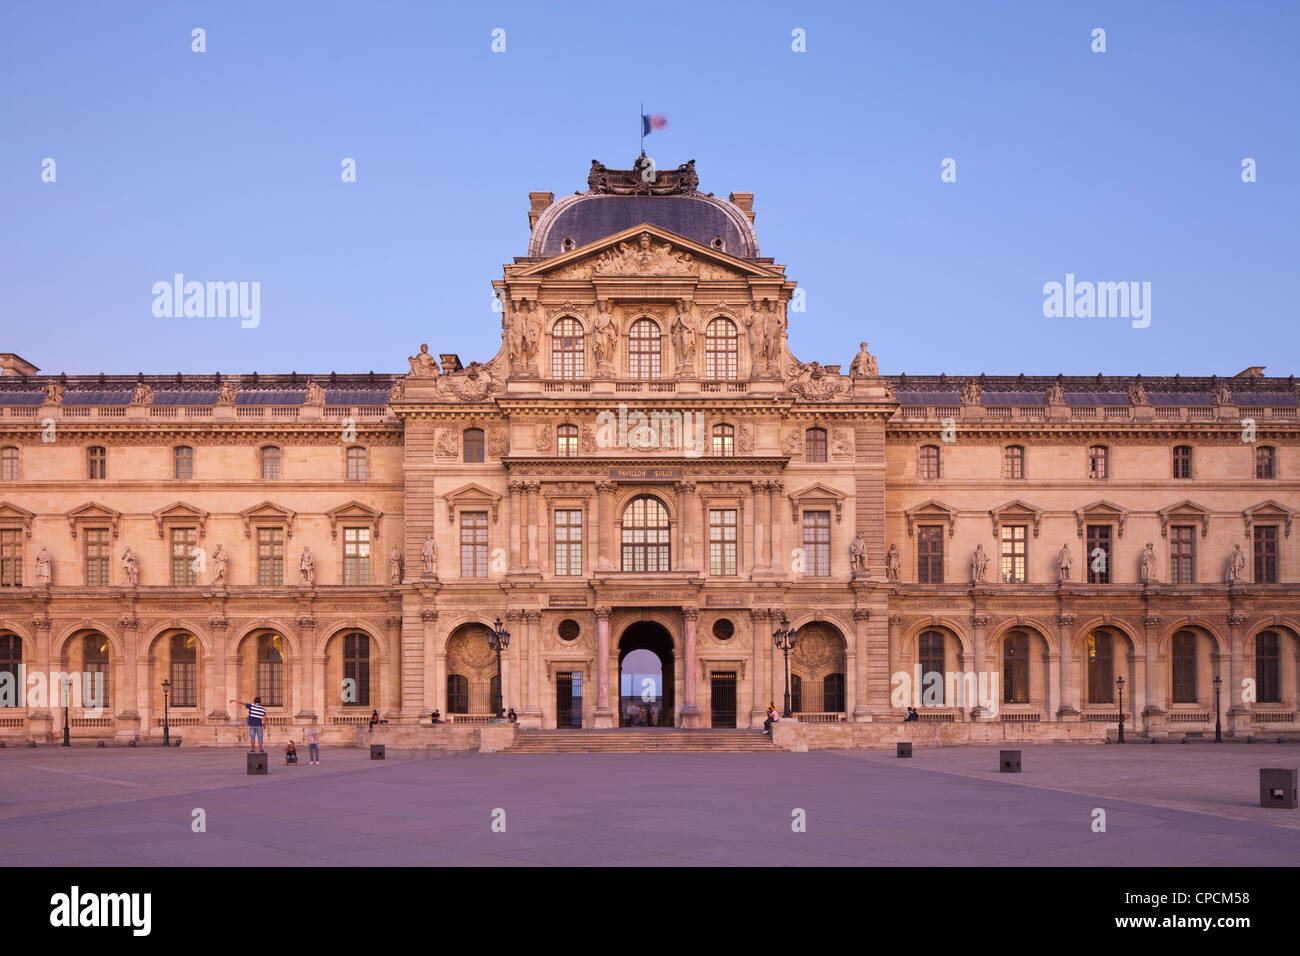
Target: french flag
{"points": [[649, 123]]}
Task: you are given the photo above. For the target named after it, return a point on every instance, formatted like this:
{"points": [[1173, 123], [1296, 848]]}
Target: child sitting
{"points": [[290, 753]]}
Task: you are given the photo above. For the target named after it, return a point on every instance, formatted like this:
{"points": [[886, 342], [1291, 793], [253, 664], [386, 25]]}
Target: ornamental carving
{"points": [[306, 622], [542, 438], [813, 382], [645, 257], [53, 393], [445, 445], [428, 615], [971, 393], [841, 445], [587, 440], [142, 394], [643, 179], [476, 383], [498, 444], [226, 394], [1238, 620], [745, 440]]}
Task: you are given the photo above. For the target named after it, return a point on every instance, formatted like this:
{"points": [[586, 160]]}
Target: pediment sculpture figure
{"points": [[864, 364], [226, 393], [44, 568], [424, 365], [53, 393], [315, 394], [142, 394]]}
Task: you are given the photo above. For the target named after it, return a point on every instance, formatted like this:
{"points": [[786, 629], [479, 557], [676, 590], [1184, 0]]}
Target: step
{"points": [[642, 741]]}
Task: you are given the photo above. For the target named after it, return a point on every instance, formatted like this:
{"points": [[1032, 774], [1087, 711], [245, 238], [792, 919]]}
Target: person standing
{"points": [[256, 717], [313, 744]]}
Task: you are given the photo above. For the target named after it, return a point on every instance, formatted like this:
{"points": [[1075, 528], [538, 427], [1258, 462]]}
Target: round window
{"points": [[723, 629], [569, 629]]}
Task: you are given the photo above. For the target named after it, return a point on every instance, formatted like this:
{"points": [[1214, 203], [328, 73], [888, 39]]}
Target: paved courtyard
{"points": [[1175, 805]]}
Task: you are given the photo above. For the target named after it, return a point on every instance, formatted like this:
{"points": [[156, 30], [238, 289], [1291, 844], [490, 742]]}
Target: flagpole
{"points": [[640, 122]]}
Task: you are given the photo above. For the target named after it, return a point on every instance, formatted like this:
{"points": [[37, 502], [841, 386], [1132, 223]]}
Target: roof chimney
{"points": [[1255, 371], [11, 364], [745, 203], [539, 203]]}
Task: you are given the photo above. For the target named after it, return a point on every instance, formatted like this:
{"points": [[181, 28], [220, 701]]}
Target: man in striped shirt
{"points": [[256, 716]]}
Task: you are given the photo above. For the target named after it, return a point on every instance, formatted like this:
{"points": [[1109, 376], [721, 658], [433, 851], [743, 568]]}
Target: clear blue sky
{"points": [[225, 166]]}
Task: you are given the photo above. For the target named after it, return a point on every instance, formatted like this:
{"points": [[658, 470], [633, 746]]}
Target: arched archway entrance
{"points": [[645, 676]]}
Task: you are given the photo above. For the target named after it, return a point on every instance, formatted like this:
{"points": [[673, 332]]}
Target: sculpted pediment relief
{"points": [[644, 251]]}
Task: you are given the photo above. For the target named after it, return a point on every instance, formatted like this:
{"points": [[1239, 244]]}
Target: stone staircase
{"points": [[644, 740]]}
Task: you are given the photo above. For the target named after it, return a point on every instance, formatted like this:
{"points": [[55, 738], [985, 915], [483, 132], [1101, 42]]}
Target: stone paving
{"points": [[1175, 805]]}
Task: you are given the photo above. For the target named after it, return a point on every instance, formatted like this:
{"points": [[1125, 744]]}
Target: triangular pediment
{"points": [[817, 493], [929, 512], [471, 495], [354, 512], [1269, 510], [1186, 510], [180, 511], [92, 512], [625, 255], [1099, 511], [267, 512], [1016, 510], [11, 514]]}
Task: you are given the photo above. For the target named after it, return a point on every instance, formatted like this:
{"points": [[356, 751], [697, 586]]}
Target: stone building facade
{"points": [[644, 465]]}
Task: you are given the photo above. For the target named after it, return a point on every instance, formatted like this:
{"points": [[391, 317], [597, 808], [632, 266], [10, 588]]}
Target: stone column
{"points": [[856, 698], [533, 668], [690, 712], [517, 532], [390, 683], [881, 697], [40, 719], [440, 683], [217, 689], [979, 632], [1237, 710], [685, 509], [759, 525], [429, 634], [1063, 670], [604, 715], [309, 694], [605, 526], [128, 716], [512, 662], [775, 563], [761, 634], [533, 489], [1146, 677]]}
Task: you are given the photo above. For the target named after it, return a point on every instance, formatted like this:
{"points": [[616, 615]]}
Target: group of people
{"points": [[256, 733], [773, 715], [912, 715]]}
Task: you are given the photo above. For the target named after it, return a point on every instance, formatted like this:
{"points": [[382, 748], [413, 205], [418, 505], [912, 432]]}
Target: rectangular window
{"points": [[97, 557], [356, 555], [722, 541], [1182, 554], [473, 544], [1183, 461], [184, 463], [1013, 462], [98, 458], [1268, 685], [1015, 555], [270, 556], [356, 667], [1101, 686], [1015, 669], [1266, 554], [1184, 668], [929, 554], [817, 543], [11, 558], [184, 570], [568, 542], [1099, 554], [184, 676]]}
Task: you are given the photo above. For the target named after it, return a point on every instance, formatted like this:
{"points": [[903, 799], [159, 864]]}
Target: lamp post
{"points": [[1119, 682], [1218, 723], [67, 689], [785, 639], [166, 686], [498, 641]]}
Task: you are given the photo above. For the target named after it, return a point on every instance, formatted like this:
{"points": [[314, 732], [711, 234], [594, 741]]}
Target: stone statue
{"points": [[858, 553], [220, 566], [142, 394], [531, 332], [315, 394], [1137, 394], [772, 327], [970, 393], [44, 568], [424, 364], [1055, 394], [754, 332], [53, 393], [1236, 564], [397, 392], [605, 341], [131, 565], [226, 394], [429, 554], [1064, 562], [893, 562], [979, 565], [394, 566], [307, 567], [864, 364], [1147, 567], [1222, 394], [683, 336]]}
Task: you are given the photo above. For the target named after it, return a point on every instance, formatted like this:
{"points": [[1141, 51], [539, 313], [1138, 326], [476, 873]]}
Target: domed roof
{"points": [[618, 199]]}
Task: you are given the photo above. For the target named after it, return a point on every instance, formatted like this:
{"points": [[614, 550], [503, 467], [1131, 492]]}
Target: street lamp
{"points": [[1218, 723], [1119, 682], [166, 686], [785, 639], [67, 694], [498, 641]]}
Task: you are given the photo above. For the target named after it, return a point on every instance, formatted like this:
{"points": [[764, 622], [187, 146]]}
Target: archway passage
{"points": [[645, 676]]}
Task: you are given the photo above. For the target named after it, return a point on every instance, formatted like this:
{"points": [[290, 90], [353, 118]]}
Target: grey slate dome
{"points": [[618, 199]]}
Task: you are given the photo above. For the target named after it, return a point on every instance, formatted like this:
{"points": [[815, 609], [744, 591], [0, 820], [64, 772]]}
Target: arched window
{"points": [[720, 349], [184, 655], [9, 464], [97, 460], [814, 444], [568, 355], [644, 350], [457, 694], [724, 441], [1015, 668], [183, 458], [1184, 668], [270, 670], [270, 463], [356, 669], [473, 445], [646, 535], [930, 653], [928, 464], [1265, 462], [1182, 461], [567, 440], [1098, 462], [11, 661], [1268, 657], [833, 693], [356, 463], [1101, 668], [95, 671], [1013, 462], [796, 693]]}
